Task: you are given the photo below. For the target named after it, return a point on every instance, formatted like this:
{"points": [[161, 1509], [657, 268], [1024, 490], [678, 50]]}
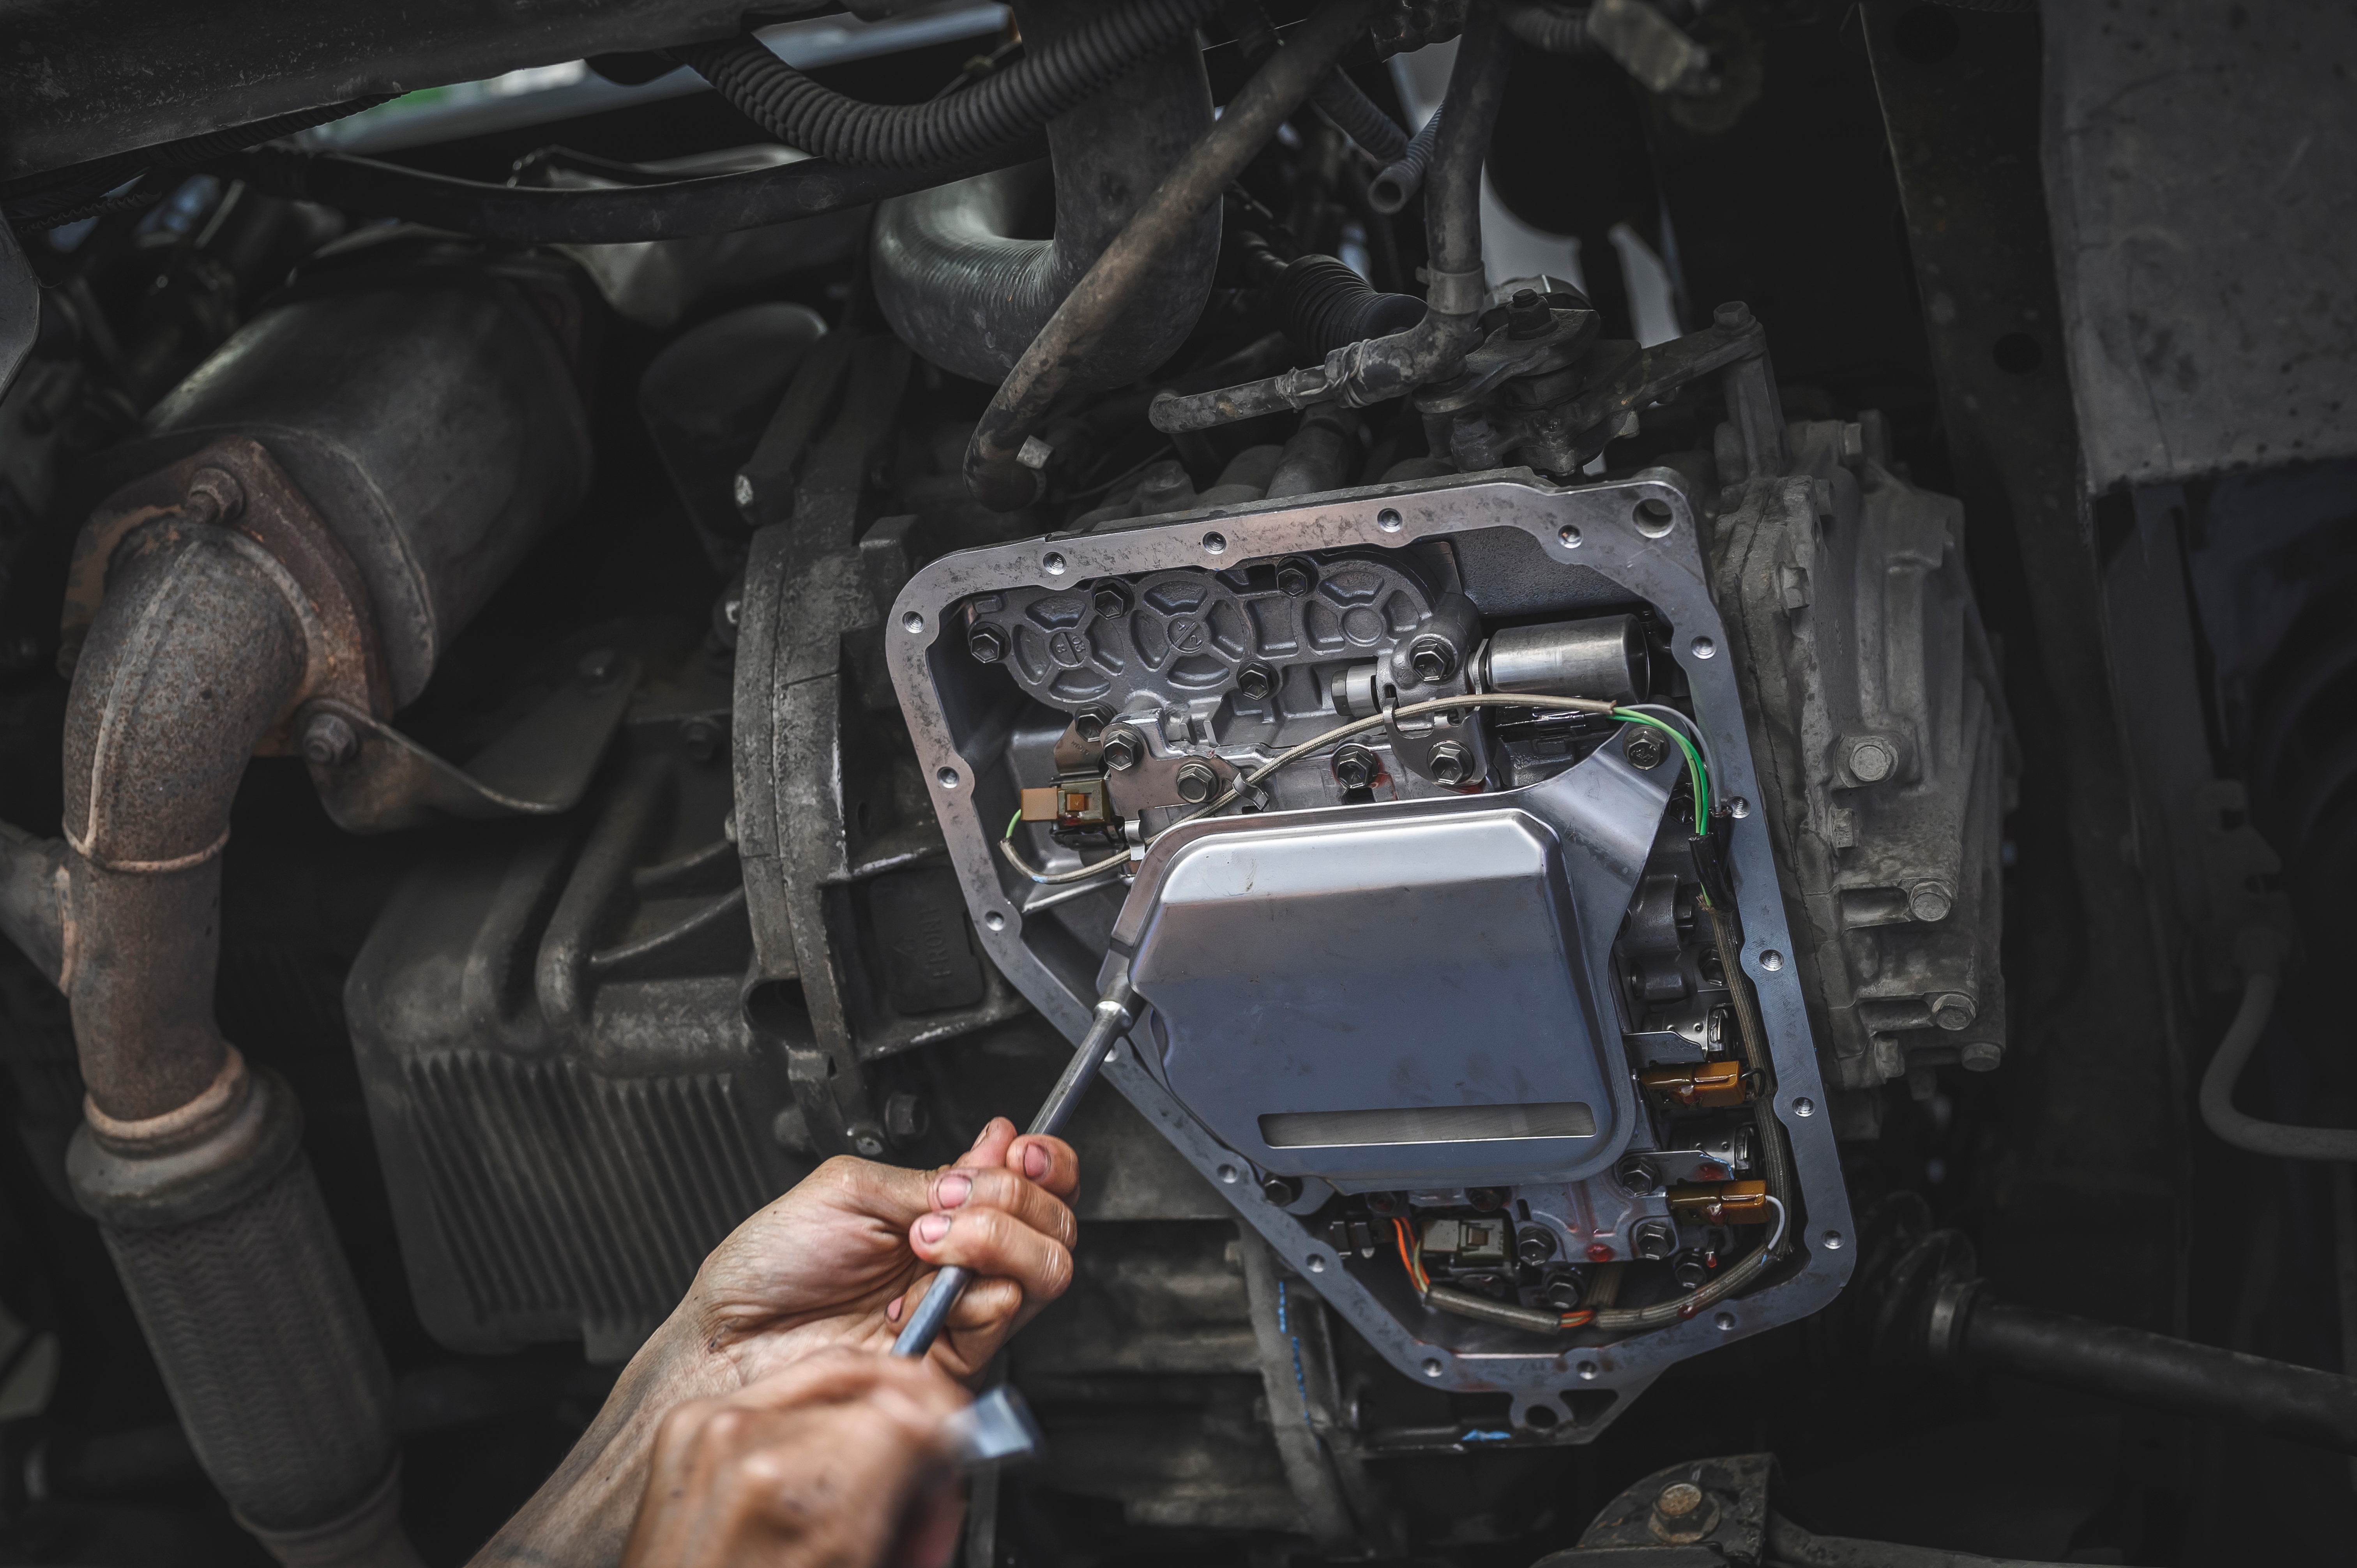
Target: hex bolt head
{"points": [[1451, 763], [1654, 1238], [1690, 1269], [1527, 315], [1643, 748], [1295, 578], [1564, 1290], [905, 1117], [1953, 1010], [1355, 767], [1111, 599], [1930, 900], [1980, 1056], [1091, 723], [1280, 1189], [1534, 1245], [1732, 317], [1488, 1199], [1637, 1176], [1257, 682], [1682, 1514], [867, 1139], [1432, 659], [986, 643], [329, 741], [1122, 747], [1196, 781], [1871, 761]]}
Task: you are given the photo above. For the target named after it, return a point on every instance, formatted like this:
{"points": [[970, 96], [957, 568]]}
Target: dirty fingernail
{"points": [[1035, 1161], [932, 1227], [954, 1189]]}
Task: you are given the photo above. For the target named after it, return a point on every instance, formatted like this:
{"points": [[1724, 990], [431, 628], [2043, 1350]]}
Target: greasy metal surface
{"points": [[957, 723], [78, 83], [1425, 957], [1734, 1507], [20, 309], [2200, 165]]}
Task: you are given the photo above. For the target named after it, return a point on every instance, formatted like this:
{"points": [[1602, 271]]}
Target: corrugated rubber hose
{"points": [[1001, 108]]}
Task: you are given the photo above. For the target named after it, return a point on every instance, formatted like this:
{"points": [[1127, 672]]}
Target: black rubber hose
{"points": [[1556, 30], [1396, 184], [957, 282], [2299, 1404], [1324, 305], [524, 215], [1002, 108]]}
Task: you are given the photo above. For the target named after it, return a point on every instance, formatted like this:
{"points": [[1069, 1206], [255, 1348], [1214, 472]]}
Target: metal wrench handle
{"points": [[1113, 1017]]}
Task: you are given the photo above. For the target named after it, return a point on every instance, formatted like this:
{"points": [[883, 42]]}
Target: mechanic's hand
{"points": [[840, 1459], [843, 1257]]}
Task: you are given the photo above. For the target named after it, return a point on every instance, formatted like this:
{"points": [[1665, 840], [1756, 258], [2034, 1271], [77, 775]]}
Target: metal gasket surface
{"points": [[1640, 533]]}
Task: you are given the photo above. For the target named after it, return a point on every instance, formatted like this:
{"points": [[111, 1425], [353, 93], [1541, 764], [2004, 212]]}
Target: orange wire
{"points": [[1416, 1274]]}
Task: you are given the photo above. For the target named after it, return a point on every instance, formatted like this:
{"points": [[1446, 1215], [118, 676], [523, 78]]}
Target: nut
{"points": [[1643, 748], [1637, 1176], [1257, 680], [1122, 747], [1091, 723], [905, 1117], [1684, 1513], [1295, 578], [328, 741], [1432, 659], [1279, 1189], [1534, 1245], [1355, 767], [1196, 782], [1527, 315], [1111, 599], [986, 643], [1451, 763]]}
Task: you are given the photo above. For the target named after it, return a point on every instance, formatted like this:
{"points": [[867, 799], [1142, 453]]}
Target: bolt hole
{"points": [[1570, 535], [949, 778], [1726, 1321], [1770, 959], [1803, 1106], [913, 622], [1832, 1241], [1539, 1417], [1390, 520], [995, 920], [1433, 1368], [1589, 1371], [2018, 354], [1317, 1264], [1215, 544], [1703, 648], [1228, 1175], [1053, 564], [1653, 517]]}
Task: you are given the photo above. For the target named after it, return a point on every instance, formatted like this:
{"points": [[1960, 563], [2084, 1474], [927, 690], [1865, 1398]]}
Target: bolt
{"points": [[1111, 599], [1527, 315], [1732, 317], [1930, 901], [328, 741], [1382, 1203], [1682, 1514], [1451, 763], [701, 738], [1654, 1237], [744, 490], [1980, 1056], [1690, 1269], [1637, 1175], [600, 666], [1871, 761], [1122, 747], [867, 1138], [986, 643], [1564, 1289], [1355, 767], [1257, 680], [1295, 578], [1196, 781], [214, 496], [1954, 1011], [1643, 748], [1091, 723], [1534, 1245], [1488, 1199], [905, 1117], [1432, 659], [1280, 1189]]}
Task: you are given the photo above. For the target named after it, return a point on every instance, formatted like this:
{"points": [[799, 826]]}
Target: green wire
{"points": [[1012, 823], [1693, 763]]}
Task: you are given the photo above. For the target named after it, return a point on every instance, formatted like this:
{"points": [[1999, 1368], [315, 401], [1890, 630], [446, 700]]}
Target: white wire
{"points": [[1693, 732], [1776, 1238]]}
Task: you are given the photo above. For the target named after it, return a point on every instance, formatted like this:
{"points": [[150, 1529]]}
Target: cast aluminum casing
{"points": [[1593, 543]]}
